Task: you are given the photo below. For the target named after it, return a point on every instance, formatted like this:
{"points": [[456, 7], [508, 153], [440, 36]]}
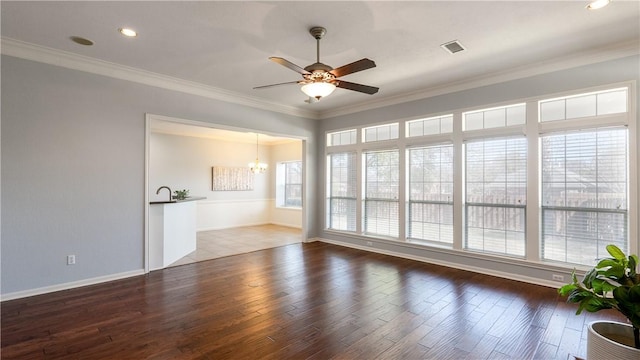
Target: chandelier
{"points": [[257, 167]]}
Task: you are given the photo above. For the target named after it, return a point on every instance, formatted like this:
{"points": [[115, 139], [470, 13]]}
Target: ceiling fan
{"points": [[319, 80]]}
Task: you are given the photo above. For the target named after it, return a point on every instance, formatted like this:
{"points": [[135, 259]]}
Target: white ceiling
{"points": [[226, 45]]}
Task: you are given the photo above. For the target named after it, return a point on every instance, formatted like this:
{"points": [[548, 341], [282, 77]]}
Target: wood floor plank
{"points": [[300, 301]]}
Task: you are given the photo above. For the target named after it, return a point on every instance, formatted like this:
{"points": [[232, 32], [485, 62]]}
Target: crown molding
{"points": [[28, 51], [592, 56]]}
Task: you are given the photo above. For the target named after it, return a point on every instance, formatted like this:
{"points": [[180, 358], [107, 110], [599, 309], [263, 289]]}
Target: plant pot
{"points": [[611, 340]]}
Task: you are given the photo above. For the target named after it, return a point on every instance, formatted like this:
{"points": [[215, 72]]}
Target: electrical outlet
{"points": [[557, 277], [71, 259], [369, 243]]}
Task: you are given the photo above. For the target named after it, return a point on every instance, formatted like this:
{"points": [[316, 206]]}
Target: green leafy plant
{"points": [[180, 194], [612, 284]]}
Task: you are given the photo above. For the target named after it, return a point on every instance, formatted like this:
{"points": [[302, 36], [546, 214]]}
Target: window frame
{"points": [[329, 198], [282, 185], [532, 129], [366, 200], [409, 201], [504, 206]]}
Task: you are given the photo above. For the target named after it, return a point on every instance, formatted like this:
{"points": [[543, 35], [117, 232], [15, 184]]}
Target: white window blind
{"points": [[430, 215], [289, 184], [381, 192], [293, 184], [342, 191], [496, 185], [584, 194]]}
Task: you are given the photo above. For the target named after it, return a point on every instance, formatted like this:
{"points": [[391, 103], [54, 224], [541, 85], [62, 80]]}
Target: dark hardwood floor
{"points": [[301, 301]]}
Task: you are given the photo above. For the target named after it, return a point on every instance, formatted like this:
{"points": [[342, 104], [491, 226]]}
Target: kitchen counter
{"points": [[172, 230], [190, 198]]}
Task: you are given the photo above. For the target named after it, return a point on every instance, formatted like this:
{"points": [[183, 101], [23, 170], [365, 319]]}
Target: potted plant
{"points": [[612, 284], [181, 194]]}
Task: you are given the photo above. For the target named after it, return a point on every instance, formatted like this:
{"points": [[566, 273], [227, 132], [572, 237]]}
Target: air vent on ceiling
{"points": [[452, 47]]}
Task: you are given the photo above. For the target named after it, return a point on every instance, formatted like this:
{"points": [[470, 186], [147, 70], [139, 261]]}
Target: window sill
{"points": [[540, 265]]}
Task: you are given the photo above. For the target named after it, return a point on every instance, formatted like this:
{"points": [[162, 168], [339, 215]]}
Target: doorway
{"points": [[181, 154]]}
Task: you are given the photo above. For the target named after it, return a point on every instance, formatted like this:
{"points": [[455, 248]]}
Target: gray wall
{"points": [[184, 162], [73, 168], [609, 72], [72, 161]]}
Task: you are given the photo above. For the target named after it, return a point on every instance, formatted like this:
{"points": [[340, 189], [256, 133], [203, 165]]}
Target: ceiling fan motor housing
{"points": [[318, 67]]}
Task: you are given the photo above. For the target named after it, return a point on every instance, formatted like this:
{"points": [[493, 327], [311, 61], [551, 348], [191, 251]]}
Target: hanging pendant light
{"points": [[257, 167]]}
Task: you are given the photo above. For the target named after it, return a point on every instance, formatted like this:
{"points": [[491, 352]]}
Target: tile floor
{"points": [[219, 243]]}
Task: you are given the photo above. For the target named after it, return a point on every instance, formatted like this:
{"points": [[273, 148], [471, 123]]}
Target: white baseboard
{"points": [[70, 285], [500, 274]]}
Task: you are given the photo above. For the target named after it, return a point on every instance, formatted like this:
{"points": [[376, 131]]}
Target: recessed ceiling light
{"points": [[81, 40], [598, 4], [128, 32]]}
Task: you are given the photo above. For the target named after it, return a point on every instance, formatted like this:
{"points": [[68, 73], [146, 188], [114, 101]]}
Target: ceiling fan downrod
{"points": [[317, 32]]}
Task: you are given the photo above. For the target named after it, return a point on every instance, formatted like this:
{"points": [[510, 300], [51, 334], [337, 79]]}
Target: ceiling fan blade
{"points": [[356, 87], [362, 64], [290, 65], [285, 83]]}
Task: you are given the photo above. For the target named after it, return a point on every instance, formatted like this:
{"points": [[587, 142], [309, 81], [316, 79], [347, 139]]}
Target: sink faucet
{"points": [[164, 187]]}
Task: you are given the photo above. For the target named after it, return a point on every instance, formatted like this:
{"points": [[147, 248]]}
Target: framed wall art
{"points": [[224, 178]]}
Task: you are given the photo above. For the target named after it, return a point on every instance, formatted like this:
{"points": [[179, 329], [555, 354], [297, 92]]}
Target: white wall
{"points": [[73, 168], [73, 165], [184, 162]]}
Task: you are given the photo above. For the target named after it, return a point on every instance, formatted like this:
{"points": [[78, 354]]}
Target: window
{"points": [[557, 186], [289, 184], [430, 126], [496, 185], [591, 104], [342, 191], [347, 137], [381, 192], [380, 132], [495, 117], [584, 194], [431, 193]]}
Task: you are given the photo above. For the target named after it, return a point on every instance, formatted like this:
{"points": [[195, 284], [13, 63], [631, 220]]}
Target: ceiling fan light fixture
{"points": [[318, 89]]}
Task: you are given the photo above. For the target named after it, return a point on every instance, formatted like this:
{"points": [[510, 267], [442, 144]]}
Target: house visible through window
{"points": [[496, 195], [431, 193], [584, 194]]}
